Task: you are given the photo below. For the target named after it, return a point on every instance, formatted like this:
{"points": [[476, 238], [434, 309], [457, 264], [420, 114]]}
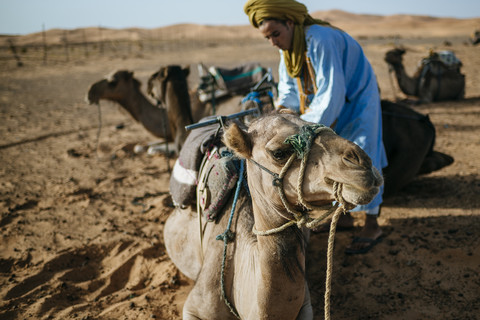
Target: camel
{"points": [[409, 139], [475, 37], [264, 275], [161, 121], [433, 81], [224, 105]]}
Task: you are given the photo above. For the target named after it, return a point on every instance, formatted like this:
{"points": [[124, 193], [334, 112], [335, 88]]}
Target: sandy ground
{"points": [[81, 226]]}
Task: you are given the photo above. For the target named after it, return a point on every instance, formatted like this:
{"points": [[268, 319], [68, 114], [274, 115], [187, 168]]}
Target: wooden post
{"points": [[45, 48], [65, 40], [14, 51], [85, 43], [101, 40]]}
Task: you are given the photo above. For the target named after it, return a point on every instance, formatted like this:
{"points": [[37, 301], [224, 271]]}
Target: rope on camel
{"points": [[302, 145]]}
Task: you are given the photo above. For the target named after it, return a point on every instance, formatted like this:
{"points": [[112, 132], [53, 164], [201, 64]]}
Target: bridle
{"points": [[301, 143]]}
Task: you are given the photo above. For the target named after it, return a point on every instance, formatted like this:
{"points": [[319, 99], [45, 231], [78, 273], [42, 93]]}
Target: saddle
{"points": [[216, 82], [447, 58], [205, 172], [219, 174]]}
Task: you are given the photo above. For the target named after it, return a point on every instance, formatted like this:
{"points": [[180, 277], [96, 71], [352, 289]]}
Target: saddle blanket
{"points": [[205, 172]]}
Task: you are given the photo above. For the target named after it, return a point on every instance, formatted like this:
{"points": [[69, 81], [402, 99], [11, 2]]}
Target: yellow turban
{"points": [[259, 10]]}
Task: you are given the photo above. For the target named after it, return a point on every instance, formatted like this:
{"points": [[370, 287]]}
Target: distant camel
{"points": [[161, 121], [230, 102], [433, 81], [475, 37], [263, 276]]}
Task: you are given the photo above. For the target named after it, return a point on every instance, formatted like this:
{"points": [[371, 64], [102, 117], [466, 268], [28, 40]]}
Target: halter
{"points": [[301, 143]]}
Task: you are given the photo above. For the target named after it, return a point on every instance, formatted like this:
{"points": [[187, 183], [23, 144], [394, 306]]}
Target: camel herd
{"points": [[260, 273]]}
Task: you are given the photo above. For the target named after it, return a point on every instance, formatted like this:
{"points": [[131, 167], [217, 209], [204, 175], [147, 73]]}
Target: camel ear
{"points": [[238, 140], [286, 111], [186, 71], [164, 74]]}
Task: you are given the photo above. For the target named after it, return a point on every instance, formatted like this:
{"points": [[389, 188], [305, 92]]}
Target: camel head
{"points": [[114, 87], [157, 81], [331, 160], [395, 56]]}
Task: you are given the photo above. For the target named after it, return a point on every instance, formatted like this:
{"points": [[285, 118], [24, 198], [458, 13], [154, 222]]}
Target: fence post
{"points": [[85, 43], [44, 36], [14, 51], [65, 40], [101, 40]]}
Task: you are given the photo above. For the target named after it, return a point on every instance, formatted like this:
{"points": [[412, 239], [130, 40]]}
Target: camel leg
{"points": [[435, 161], [205, 300], [162, 148], [306, 312]]}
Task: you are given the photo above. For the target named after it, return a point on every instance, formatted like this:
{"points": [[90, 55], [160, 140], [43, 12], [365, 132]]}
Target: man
{"points": [[325, 76]]}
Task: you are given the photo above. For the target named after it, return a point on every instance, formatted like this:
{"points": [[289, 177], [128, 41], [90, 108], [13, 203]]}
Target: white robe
{"points": [[347, 93]]}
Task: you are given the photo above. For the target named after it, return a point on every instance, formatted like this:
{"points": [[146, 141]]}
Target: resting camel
{"points": [[264, 275], [475, 37], [433, 81], [409, 139], [222, 106], [161, 121]]}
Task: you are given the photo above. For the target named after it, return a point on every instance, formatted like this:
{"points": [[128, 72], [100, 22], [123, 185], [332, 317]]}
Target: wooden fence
{"points": [[67, 50]]}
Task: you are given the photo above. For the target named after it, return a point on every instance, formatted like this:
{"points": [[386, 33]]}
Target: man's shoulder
{"points": [[319, 35], [318, 32]]}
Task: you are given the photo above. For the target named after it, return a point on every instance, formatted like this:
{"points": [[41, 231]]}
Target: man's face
{"points": [[280, 35]]}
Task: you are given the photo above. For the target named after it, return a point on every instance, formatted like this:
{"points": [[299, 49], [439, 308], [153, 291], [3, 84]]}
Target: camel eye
{"points": [[281, 154]]}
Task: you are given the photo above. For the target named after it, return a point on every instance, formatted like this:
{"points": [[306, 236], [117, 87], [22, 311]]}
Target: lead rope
{"points": [[331, 240], [227, 236], [99, 131]]}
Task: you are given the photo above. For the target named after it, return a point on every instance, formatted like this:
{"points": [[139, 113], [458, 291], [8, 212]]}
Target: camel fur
{"points": [[433, 81], [265, 275]]}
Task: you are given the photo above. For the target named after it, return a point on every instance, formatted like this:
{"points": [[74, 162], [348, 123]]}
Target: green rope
{"points": [[302, 141]]}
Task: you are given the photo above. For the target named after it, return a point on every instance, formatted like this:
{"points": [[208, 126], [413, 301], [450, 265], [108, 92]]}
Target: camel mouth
{"points": [[91, 98], [361, 192], [91, 101], [359, 197]]}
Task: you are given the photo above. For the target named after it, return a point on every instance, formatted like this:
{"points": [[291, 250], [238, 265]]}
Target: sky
{"points": [[28, 16]]}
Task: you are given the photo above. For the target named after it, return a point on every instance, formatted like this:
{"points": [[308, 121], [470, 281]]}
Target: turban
{"points": [[259, 10]]}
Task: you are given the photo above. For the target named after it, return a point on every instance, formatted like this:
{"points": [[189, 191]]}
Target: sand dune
{"points": [[355, 24]]}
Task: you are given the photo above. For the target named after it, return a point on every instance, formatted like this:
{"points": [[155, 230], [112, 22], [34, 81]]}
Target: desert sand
{"points": [[81, 222]]}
